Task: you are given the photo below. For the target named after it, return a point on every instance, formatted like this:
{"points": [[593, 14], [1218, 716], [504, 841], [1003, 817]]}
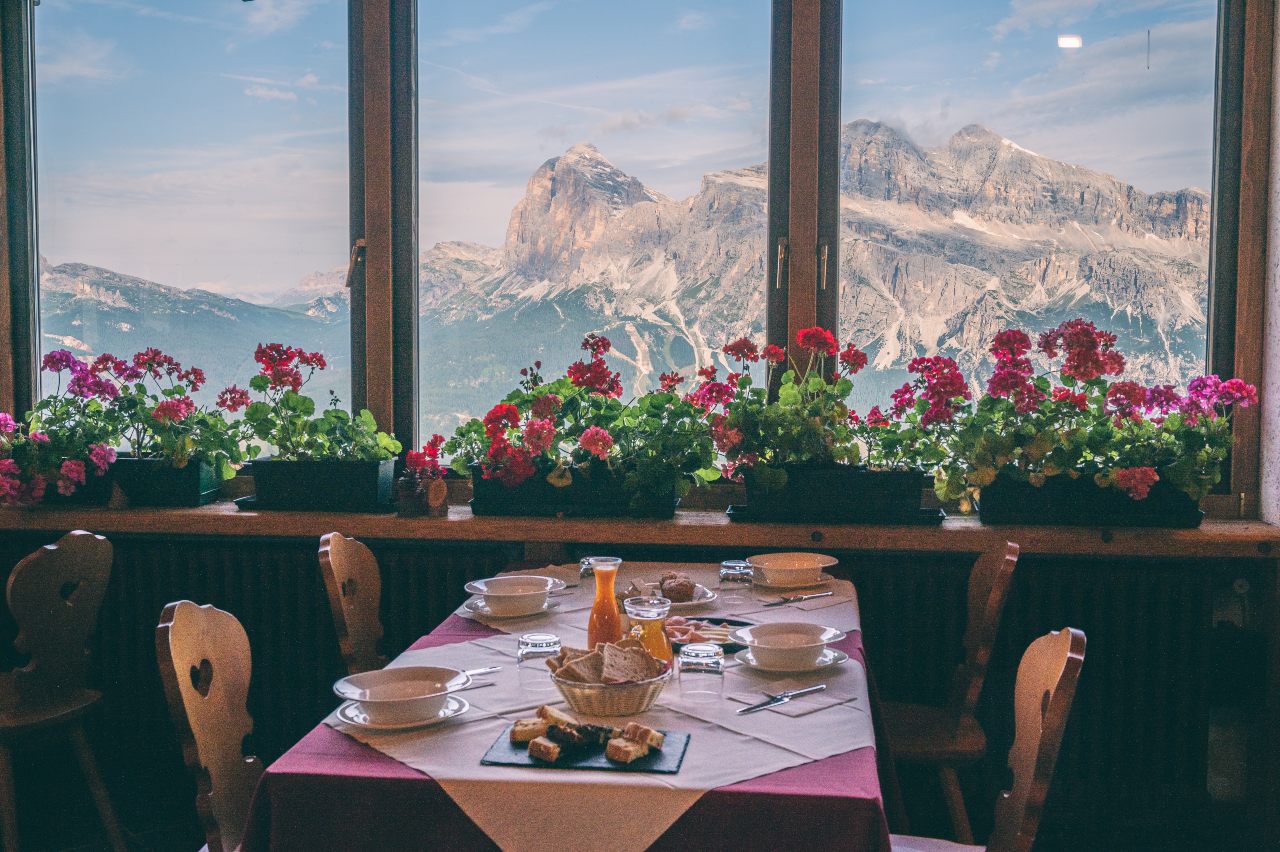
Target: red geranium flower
{"points": [[597, 441], [174, 410], [596, 377], [742, 349], [233, 398], [853, 359], [774, 354], [1137, 481], [817, 339], [1077, 399], [670, 381], [546, 407], [596, 344]]}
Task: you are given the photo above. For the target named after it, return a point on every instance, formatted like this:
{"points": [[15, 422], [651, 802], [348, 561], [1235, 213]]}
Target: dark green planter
{"points": [[600, 496], [96, 490], [1063, 501], [154, 482], [837, 494], [323, 486]]}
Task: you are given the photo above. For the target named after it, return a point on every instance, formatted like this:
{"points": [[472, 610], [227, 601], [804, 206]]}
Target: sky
{"points": [[204, 142]]}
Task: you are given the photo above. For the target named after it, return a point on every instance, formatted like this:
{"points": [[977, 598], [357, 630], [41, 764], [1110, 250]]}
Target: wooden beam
{"points": [[1251, 266], [378, 367], [802, 252]]}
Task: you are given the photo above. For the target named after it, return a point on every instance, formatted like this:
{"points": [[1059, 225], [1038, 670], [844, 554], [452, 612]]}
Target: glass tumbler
{"points": [[650, 615], [531, 650], [735, 578], [700, 668], [586, 565]]}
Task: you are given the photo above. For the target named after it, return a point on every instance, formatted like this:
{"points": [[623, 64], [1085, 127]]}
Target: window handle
{"points": [[826, 250], [357, 253], [782, 257]]}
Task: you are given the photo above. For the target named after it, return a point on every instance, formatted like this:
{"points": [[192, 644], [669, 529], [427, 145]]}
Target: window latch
{"points": [[357, 254], [782, 257]]}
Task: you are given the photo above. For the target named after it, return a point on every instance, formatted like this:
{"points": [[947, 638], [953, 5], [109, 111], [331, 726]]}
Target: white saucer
{"points": [[477, 606], [822, 581], [351, 713], [830, 657], [701, 597]]}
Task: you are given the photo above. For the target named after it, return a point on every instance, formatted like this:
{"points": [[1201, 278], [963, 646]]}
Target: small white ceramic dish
{"points": [[701, 597], [823, 579], [515, 595], [477, 606], [786, 645], [354, 713], [401, 695], [829, 657], [790, 570]]}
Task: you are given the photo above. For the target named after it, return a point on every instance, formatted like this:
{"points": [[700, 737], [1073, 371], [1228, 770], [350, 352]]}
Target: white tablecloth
{"points": [[543, 809]]}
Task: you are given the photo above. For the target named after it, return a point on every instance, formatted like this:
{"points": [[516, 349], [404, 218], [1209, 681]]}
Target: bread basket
{"points": [[612, 699]]}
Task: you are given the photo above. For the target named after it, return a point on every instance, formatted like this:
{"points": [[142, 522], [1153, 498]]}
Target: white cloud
{"points": [[1025, 15], [513, 22], [79, 56], [269, 16], [691, 21], [269, 93]]}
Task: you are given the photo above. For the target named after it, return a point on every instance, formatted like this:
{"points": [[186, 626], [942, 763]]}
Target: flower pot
{"points": [[96, 491], [601, 495], [154, 482], [1062, 501], [323, 486], [430, 501], [835, 494]]}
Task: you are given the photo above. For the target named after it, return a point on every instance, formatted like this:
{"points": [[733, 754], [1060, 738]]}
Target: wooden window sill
{"points": [[1214, 539]]}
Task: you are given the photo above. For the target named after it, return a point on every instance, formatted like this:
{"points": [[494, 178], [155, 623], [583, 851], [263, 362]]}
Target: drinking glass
{"points": [[531, 649], [700, 668], [586, 565], [651, 616], [735, 576]]}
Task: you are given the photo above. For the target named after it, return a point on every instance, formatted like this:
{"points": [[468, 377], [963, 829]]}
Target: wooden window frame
{"points": [[803, 219]]}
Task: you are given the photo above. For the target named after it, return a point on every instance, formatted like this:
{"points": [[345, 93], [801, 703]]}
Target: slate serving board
{"points": [[665, 761]]}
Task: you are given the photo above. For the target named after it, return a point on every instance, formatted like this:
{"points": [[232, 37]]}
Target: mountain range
{"points": [[939, 249]]}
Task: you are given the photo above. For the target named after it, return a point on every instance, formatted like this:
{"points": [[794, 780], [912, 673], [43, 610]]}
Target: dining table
{"points": [[805, 774]]}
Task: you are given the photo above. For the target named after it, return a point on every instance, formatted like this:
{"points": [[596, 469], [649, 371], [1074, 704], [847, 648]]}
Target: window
{"points": [[1015, 164], [193, 181], [596, 169]]}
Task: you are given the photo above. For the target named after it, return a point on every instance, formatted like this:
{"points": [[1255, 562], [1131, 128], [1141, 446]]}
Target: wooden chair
{"points": [[354, 584], [54, 595], [1045, 688], [205, 665], [950, 737]]}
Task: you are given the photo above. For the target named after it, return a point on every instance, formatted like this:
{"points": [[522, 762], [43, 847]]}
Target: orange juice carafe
{"points": [[605, 623], [650, 614]]}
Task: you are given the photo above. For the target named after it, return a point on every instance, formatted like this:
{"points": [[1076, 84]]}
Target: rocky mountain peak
{"points": [[568, 203]]}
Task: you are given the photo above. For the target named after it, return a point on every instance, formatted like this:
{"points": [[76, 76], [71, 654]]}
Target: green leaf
{"points": [[259, 383], [256, 412]]}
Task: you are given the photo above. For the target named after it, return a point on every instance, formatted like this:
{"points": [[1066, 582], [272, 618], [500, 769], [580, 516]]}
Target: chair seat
{"points": [[919, 733], [64, 712], [906, 843]]}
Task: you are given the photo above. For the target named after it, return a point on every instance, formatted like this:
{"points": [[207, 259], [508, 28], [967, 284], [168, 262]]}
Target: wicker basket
{"points": [[612, 699]]}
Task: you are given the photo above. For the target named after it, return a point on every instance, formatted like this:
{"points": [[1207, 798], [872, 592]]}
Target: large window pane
{"points": [[990, 177], [192, 180], [587, 167]]}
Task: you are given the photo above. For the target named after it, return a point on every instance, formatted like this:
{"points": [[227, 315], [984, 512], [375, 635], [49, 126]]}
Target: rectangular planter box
{"points": [[323, 486], [583, 498], [1062, 501], [838, 494], [154, 482]]}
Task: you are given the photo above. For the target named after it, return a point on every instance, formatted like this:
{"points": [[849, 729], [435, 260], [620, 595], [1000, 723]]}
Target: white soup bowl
{"points": [[403, 694]]}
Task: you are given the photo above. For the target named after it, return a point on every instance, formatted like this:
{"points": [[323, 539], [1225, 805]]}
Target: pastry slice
{"points": [[638, 733], [620, 750], [568, 736], [544, 749], [525, 730], [552, 716]]}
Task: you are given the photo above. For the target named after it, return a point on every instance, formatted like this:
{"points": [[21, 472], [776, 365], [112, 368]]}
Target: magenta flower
{"points": [[102, 457], [539, 435], [58, 360], [596, 441], [7, 424]]}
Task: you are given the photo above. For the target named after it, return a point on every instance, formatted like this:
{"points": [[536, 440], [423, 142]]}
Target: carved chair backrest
{"points": [[54, 595], [205, 666], [354, 584], [989, 583], [1043, 693]]}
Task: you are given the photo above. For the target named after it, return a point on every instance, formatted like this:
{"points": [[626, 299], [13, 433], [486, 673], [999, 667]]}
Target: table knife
{"points": [[781, 698], [796, 598]]}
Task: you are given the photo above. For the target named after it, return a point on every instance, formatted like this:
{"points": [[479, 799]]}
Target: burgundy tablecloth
{"points": [[332, 792]]}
